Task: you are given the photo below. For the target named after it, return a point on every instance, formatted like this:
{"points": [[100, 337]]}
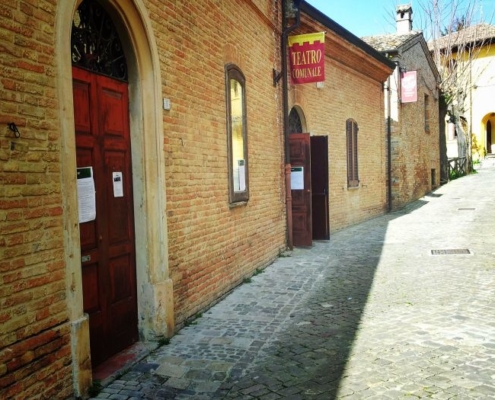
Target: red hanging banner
{"points": [[409, 87], [307, 58]]}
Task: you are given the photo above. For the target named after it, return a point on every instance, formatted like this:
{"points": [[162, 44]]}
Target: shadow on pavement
{"points": [[307, 358], [368, 314]]}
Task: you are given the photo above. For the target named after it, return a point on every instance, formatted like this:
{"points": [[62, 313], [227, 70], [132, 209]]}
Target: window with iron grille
{"points": [[352, 153], [295, 124], [95, 43]]}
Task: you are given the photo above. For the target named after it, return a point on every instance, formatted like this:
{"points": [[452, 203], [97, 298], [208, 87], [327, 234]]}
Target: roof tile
{"points": [[389, 42], [475, 33]]}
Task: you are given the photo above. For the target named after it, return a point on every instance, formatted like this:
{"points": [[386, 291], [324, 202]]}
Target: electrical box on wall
{"points": [[166, 104]]}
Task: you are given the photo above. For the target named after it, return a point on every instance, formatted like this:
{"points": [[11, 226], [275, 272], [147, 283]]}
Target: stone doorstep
{"points": [[117, 365]]}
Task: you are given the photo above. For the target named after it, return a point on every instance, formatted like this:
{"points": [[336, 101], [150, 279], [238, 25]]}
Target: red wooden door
{"points": [[300, 159], [101, 112]]}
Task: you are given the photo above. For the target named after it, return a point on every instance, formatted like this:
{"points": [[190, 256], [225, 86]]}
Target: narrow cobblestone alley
{"points": [[371, 314]]}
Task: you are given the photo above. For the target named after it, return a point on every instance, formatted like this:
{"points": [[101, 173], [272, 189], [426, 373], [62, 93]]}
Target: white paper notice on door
{"points": [[240, 176], [86, 196], [118, 187], [297, 178]]}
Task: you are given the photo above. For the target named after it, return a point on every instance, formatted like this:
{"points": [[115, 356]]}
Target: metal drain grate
{"points": [[450, 251], [466, 209]]}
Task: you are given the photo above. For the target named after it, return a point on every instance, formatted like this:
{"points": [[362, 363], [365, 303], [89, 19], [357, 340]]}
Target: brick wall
{"points": [[348, 92], [361, 99], [415, 151], [34, 336], [213, 247]]}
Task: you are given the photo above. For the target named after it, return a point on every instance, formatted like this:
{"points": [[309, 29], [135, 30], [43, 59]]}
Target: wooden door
{"points": [[319, 187], [101, 113], [300, 159]]}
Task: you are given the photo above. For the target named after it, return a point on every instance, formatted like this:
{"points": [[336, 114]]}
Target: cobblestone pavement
{"points": [[371, 314]]}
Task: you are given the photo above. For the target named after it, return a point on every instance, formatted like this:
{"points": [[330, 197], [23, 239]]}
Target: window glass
{"points": [[238, 156], [295, 124], [237, 135]]}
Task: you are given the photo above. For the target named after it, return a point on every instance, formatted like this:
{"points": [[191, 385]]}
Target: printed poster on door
{"points": [[307, 58], [297, 178], [86, 194]]}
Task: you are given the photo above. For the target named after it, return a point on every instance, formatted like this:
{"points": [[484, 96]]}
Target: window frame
{"points": [[232, 71], [352, 130]]}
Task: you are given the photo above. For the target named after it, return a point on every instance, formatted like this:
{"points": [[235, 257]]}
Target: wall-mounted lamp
{"points": [[13, 128]]}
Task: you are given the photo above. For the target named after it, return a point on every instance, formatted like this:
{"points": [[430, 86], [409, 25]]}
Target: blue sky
{"points": [[361, 17], [373, 17]]}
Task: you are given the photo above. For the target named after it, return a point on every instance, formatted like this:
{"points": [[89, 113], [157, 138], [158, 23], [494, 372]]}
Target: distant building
{"points": [[466, 59], [412, 109]]}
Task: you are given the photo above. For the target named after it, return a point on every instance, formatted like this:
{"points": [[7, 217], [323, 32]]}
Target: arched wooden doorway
{"points": [[104, 168], [309, 179], [155, 287]]}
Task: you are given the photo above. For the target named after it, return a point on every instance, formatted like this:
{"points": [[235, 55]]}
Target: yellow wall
{"points": [[479, 102]]}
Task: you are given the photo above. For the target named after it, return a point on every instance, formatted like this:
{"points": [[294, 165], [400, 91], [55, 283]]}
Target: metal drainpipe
{"points": [[389, 148], [285, 99]]}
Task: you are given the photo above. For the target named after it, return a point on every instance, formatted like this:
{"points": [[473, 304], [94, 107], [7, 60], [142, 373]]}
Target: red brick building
{"points": [[343, 118], [142, 168], [414, 130]]}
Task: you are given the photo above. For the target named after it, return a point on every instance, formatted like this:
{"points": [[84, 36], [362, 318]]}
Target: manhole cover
{"points": [[450, 251]]}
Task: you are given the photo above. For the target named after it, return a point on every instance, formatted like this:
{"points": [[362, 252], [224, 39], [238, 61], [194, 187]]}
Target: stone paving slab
{"points": [[371, 314]]}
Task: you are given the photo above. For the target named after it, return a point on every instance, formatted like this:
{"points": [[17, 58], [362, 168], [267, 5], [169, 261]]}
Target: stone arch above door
{"points": [[154, 286], [487, 137]]}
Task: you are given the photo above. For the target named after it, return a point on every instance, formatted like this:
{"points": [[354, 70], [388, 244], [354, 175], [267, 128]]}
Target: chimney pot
{"points": [[404, 18]]}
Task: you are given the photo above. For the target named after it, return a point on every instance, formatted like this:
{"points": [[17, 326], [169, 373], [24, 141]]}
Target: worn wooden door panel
{"points": [[87, 154], [114, 124], [107, 243], [319, 187], [300, 156]]}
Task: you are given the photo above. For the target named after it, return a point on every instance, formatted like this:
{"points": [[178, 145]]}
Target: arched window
{"points": [[237, 134], [95, 44], [295, 124], [352, 153]]}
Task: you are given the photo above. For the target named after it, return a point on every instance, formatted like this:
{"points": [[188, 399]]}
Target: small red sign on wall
{"points": [[307, 58], [409, 87]]}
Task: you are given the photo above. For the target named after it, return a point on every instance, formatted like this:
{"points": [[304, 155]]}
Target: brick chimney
{"points": [[404, 19]]}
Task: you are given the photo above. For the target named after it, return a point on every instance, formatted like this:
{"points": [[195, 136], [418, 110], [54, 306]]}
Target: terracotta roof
{"points": [[389, 42], [475, 33]]}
